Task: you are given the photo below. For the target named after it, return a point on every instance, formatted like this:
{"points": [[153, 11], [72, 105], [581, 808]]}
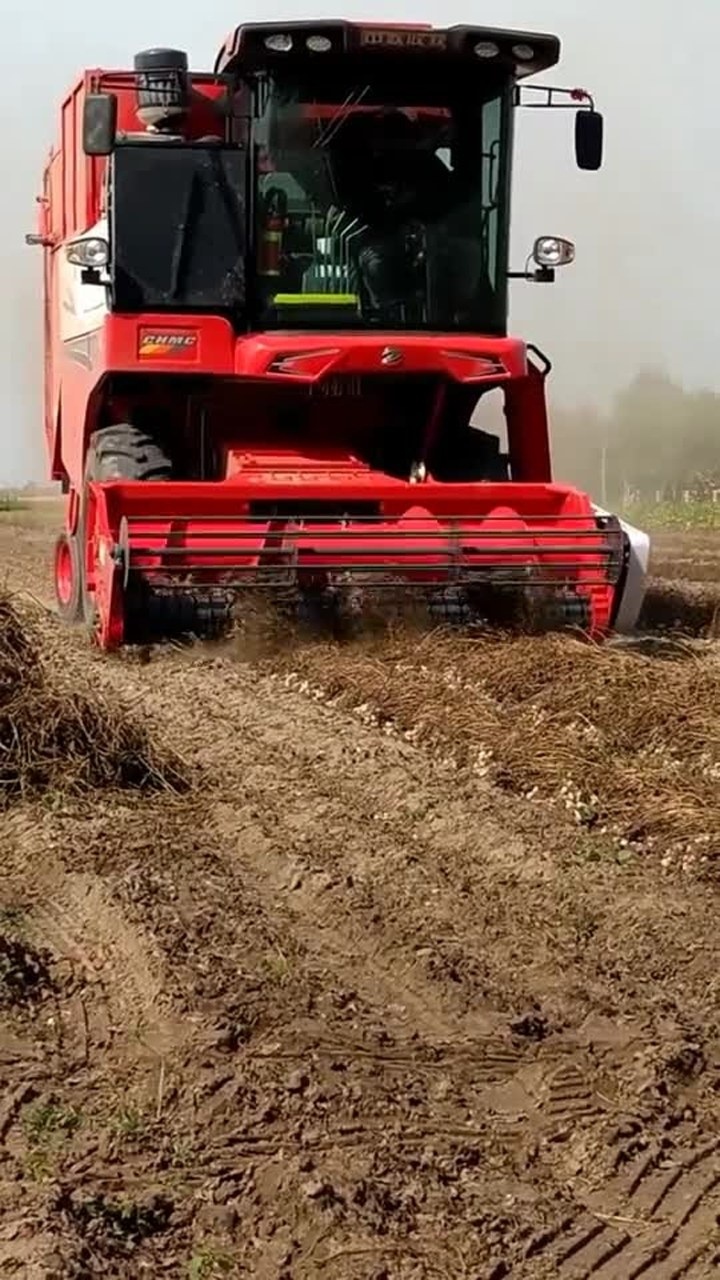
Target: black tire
{"points": [[118, 452], [124, 452]]}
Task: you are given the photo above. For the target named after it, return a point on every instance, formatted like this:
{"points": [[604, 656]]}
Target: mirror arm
{"points": [[570, 99], [541, 275]]}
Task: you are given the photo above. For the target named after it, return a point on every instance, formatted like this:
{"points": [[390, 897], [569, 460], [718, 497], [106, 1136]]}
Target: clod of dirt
{"points": [[220, 1219], [228, 1037], [321, 1192], [533, 1026], [112, 1224], [54, 736], [687, 1063], [55, 1268], [24, 973], [298, 1082]]}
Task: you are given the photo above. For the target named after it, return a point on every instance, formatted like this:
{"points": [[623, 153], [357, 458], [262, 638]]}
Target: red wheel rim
{"points": [[64, 571], [88, 551]]}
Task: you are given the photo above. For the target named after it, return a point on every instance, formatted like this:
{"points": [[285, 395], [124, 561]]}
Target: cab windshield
{"points": [[382, 202]]}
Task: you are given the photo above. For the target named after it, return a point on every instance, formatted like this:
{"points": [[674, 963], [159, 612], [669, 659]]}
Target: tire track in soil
{"points": [[96, 951], [658, 1219], [395, 1050], [329, 826], [291, 868], [391, 1068]]}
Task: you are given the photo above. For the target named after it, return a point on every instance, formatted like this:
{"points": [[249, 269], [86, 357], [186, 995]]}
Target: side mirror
{"points": [[589, 130], [548, 253], [100, 112], [553, 251]]}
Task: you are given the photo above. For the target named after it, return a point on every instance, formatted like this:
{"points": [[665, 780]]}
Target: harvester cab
{"points": [[274, 297]]}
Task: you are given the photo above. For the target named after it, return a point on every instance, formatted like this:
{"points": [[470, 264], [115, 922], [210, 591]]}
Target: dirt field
{"points": [[397, 960], [686, 587]]}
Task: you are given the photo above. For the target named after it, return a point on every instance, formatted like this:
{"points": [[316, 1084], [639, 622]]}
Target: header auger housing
{"points": [[275, 302]]}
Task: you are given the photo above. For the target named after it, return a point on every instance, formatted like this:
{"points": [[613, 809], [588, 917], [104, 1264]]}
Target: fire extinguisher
{"points": [[273, 224]]}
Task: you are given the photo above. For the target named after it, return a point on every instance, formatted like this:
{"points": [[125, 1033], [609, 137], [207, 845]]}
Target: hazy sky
{"points": [[644, 284]]}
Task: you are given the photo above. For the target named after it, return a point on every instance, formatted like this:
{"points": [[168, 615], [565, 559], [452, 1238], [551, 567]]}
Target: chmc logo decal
{"points": [[168, 344]]}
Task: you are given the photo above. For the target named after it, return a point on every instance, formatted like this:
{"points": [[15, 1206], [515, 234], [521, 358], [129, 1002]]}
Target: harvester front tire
{"points": [[124, 452], [68, 581], [117, 452]]}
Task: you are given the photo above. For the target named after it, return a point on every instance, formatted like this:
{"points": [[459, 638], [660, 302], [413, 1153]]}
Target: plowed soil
{"points": [[373, 972], [685, 591]]}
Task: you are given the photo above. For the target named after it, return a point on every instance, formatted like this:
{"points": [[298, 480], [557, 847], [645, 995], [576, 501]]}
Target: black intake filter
{"points": [[163, 87]]}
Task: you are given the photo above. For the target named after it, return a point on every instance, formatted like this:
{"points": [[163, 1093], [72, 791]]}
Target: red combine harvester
{"points": [[275, 298]]}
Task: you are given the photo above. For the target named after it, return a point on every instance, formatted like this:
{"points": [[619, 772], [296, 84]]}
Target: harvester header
{"points": [[276, 306]]}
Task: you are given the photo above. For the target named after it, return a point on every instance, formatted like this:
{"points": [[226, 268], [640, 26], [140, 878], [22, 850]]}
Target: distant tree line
{"points": [[656, 442]]}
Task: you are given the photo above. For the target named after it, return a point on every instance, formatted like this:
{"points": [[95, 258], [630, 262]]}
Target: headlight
{"points": [[93, 252], [279, 43], [486, 49], [318, 44], [552, 251], [523, 52]]}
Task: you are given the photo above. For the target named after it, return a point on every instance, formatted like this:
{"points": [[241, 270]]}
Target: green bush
{"points": [[671, 516], [9, 501]]}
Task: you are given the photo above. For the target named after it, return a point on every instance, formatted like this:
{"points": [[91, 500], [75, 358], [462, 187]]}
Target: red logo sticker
{"points": [[168, 344]]}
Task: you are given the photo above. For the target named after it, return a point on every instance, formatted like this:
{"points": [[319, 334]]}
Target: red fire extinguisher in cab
{"points": [[273, 224]]}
